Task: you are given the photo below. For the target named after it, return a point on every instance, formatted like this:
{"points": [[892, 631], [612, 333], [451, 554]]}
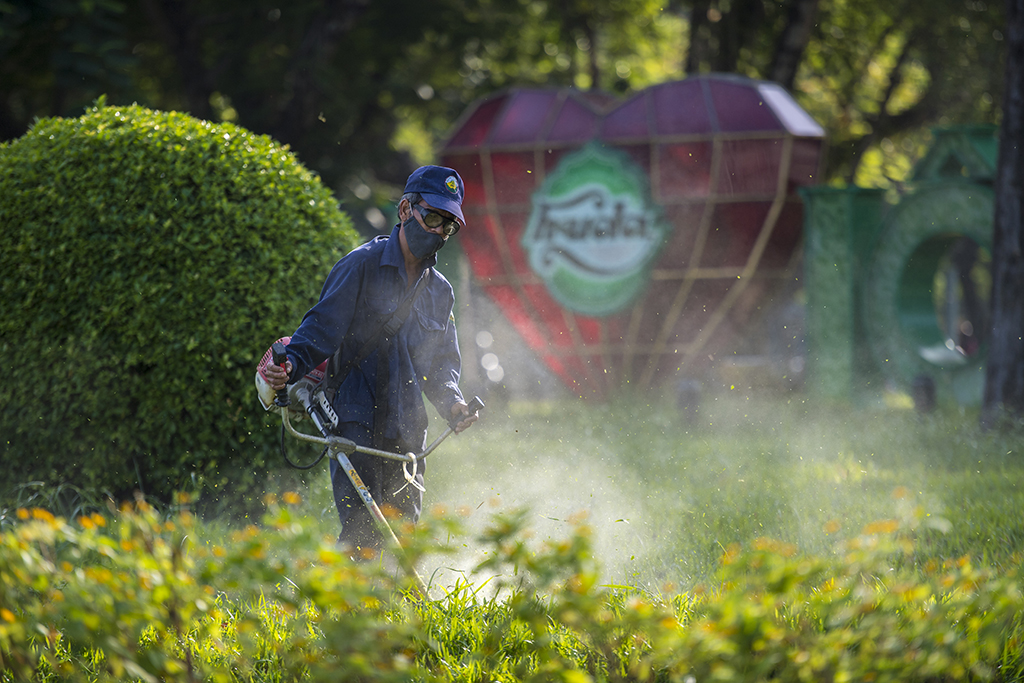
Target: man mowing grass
{"points": [[385, 317]]}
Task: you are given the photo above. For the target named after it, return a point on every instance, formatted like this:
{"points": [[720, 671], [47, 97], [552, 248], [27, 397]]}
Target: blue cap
{"points": [[440, 187]]}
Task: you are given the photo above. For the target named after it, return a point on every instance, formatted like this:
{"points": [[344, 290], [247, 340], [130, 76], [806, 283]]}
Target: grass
{"points": [[666, 497]]}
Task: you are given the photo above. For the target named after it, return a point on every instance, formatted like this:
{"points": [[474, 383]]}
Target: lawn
{"points": [[666, 496]]}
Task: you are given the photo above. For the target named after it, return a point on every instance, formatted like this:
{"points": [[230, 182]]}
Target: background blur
{"points": [[363, 91]]}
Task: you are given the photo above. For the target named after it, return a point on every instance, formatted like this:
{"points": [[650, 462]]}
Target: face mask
{"points": [[421, 243]]}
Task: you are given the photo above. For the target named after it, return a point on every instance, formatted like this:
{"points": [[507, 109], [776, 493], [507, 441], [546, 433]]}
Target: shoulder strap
{"points": [[387, 329]]}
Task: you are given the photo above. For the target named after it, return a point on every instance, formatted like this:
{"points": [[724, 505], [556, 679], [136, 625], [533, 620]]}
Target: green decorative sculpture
{"points": [[897, 293]]}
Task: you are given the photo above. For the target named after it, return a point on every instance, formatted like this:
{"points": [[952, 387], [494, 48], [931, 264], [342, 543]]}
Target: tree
{"points": [[57, 56], [876, 74], [1004, 378], [792, 41], [363, 90]]}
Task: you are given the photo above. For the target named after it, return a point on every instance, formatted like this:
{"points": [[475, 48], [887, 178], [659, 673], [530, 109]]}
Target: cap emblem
{"points": [[452, 184]]}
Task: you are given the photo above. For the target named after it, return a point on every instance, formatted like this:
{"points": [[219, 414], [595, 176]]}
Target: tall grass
{"points": [[666, 496]]}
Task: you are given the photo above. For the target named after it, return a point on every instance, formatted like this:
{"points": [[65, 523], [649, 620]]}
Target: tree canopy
{"points": [[363, 91]]}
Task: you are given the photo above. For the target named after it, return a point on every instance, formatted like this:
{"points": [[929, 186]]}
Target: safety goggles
{"points": [[433, 220]]}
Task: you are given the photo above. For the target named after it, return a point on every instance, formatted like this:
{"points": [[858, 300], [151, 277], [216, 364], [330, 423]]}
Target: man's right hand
{"points": [[277, 376]]}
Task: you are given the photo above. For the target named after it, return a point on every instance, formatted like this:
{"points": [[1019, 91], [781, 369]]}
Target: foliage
{"points": [[63, 500], [131, 596], [152, 257], [335, 82], [56, 56], [799, 618], [362, 91], [878, 75]]}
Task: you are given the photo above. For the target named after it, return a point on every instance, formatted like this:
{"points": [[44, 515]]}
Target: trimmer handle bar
{"points": [[475, 406], [280, 358], [348, 447]]}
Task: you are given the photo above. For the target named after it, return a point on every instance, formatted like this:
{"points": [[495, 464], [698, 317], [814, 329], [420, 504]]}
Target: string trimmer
{"points": [[316, 405]]}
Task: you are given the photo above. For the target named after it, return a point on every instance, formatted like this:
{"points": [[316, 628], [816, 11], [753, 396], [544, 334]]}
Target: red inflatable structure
{"points": [[630, 241]]}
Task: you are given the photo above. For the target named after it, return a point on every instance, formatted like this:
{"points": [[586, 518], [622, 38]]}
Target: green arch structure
{"points": [[898, 303], [870, 269]]}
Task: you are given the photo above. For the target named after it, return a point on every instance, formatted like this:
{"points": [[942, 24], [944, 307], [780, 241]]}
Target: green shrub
{"points": [[130, 596], [148, 260]]}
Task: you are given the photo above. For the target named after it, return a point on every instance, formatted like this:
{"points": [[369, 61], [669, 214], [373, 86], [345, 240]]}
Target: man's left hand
{"points": [[460, 412]]}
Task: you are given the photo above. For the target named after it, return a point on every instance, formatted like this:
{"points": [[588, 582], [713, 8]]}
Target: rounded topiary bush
{"points": [[148, 260]]}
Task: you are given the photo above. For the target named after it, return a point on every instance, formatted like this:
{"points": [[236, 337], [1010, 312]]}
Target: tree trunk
{"points": [[321, 41], [1004, 377], [175, 24], [594, 70], [698, 50], [792, 42]]}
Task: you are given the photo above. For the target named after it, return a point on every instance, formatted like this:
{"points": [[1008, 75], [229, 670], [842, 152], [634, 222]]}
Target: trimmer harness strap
{"points": [[387, 330]]}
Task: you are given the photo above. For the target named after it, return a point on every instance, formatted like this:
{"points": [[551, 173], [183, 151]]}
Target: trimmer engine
{"points": [[267, 394]]}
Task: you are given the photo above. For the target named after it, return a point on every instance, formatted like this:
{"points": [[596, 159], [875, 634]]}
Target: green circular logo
{"points": [[593, 230]]}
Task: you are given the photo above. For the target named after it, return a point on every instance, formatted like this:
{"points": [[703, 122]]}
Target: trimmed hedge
{"points": [[148, 260]]}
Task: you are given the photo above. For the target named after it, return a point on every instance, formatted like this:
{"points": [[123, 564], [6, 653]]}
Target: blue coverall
{"points": [[361, 292]]}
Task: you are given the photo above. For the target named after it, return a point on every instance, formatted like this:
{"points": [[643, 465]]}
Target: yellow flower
{"points": [[731, 553], [883, 526], [45, 515], [773, 546]]}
